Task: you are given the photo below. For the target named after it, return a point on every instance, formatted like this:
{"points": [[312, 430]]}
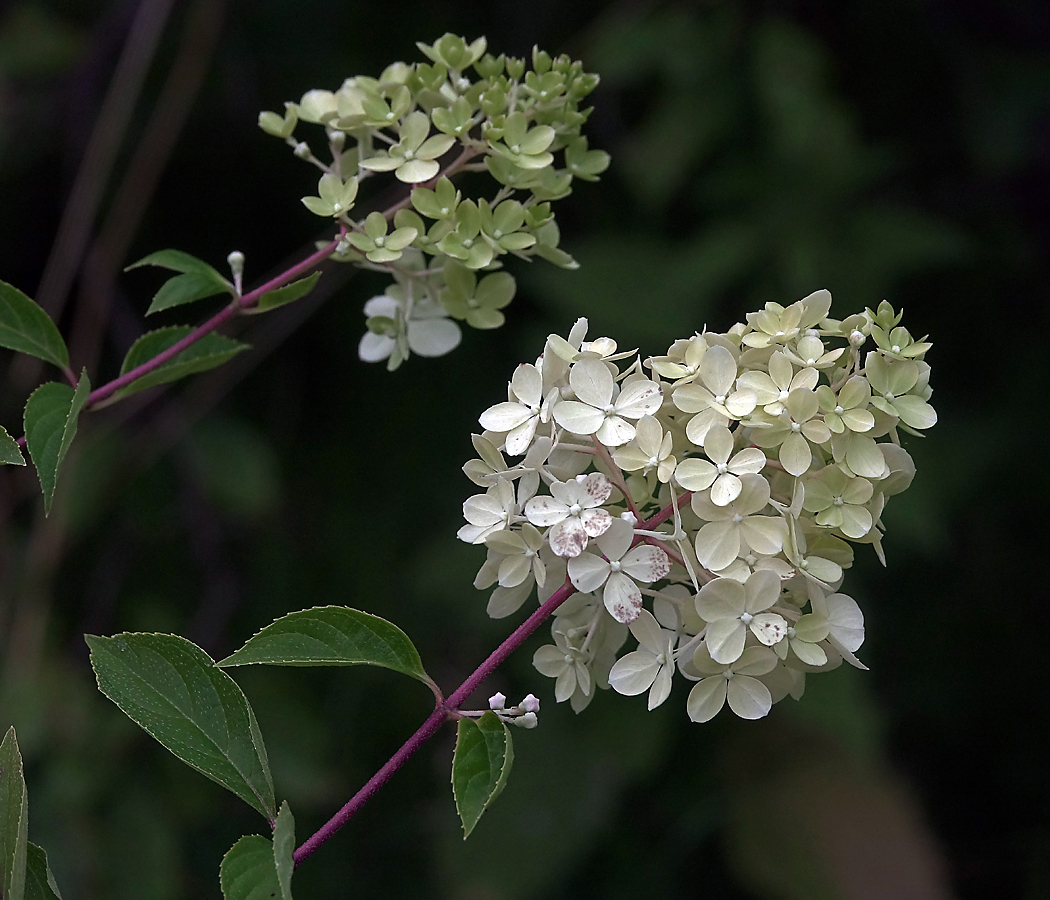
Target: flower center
{"points": [[575, 509], [782, 396], [615, 566], [839, 410], [795, 427], [380, 241], [722, 468], [746, 618], [737, 519]]}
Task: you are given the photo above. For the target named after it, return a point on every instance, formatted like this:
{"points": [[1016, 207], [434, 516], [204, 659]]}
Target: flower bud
{"points": [[528, 720], [498, 701], [530, 704]]}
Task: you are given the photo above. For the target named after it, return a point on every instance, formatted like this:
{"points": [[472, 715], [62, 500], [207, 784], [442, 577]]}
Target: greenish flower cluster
{"points": [[463, 110], [723, 482]]}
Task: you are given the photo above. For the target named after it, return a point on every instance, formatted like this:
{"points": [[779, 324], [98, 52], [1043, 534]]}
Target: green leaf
{"points": [[14, 820], [210, 351], [331, 636], [283, 848], [171, 688], [51, 416], [10, 453], [25, 327], [197, 281], [287, 294], [480, 766], [40, 883], [248, 872]]}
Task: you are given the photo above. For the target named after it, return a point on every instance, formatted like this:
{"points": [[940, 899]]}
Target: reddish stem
{"points": [[430, 727]]}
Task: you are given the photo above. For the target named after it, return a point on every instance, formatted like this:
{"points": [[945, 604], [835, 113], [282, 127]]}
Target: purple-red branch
{"points": [[224, 315], [444, 710]]}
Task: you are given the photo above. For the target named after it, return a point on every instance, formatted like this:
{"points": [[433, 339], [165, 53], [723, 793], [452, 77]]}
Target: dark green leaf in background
{"points": [[40, 883], [283, 848], [172, 689], [24, 326], [197, 281], [14, 819], [51, 416], [210, 351], [480, 766], [10, 454], [331, 636], [287, 294], [248, 872]]}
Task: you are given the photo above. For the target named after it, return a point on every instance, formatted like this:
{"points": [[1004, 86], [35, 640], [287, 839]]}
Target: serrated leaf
{"points": [[40, 882], [172, 689], [283, 848], [287, 294], [51, 417], [25, 327], [10, 453], [14, 819], [197, 281], [210, 351], [480, 766], [247, 871], [331, 636]]}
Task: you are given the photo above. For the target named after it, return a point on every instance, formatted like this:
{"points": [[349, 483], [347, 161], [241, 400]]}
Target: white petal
{"points": [[617, 539], [661, 688], [549, 660], [519, 438], [527, 384], [718, 370], [764, 534], [545, 511], [718, 443], [622, 598], [615, 431], [769, 628], [433, 337], [646, 563], [706, 698], [588, 572], [695, 474], [639, 398], [648, 633], [375, 347], [634, 673], [567, 537], [579, 418], [748, 697], [725, 640], [726, 489], [592, 382], [795, 455], [514, 570], [504, 416], [749, 461], [722, 598], [717, 544], [506, 601], [761, 591]]}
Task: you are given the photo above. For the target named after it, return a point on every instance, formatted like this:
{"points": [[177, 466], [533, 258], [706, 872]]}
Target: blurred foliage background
{"points": [[897, 150]]}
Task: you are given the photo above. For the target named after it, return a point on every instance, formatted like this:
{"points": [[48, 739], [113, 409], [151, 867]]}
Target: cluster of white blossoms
{"points": [[723, 482]]}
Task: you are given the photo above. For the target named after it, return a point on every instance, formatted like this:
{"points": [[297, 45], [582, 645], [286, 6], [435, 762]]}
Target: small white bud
{"points": [[302, 150], [629, 517], [528, 720], [498, 701], [236, 261], [530, 704]]}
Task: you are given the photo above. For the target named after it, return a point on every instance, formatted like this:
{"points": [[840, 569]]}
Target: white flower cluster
{"points": [[723, 481]]}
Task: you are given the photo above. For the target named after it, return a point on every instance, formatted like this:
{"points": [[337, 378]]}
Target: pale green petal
{"points": [[795, 454], [764, 534], [722, 598], [615, 431], [718, 444], [718, 370], [415, 170], [726, 489], [915, 411], [749, 461], [661, 688], [761, 591], [579, 418], [514, 570], [756, 661], [725, 640], [648, 633], [748, 697], [695, 474], [549, 660], [706, 698], [717, 544], [634, 673], [864, 457]]}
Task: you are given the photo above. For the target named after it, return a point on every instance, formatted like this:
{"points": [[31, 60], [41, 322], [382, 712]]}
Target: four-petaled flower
{"points": [[573, 512], [748, 697], [731, 608], [595, 411], [650, 667], [721, 474]]}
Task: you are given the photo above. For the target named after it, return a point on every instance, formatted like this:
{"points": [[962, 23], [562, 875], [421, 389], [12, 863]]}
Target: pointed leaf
{"points": [[51, 416], [10, 453], [480, 767], [248, 871], [287, 294], [40, 883], [25, 327], [197, 281], [283, 848], [14, 820], [210, 351], [331, 636], [173, 690]]}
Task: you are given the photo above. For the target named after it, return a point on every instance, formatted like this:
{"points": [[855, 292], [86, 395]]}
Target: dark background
{"points": [[896, 150]]}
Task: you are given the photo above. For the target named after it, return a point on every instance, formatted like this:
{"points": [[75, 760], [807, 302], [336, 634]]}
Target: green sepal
{"points": [[10, 452], [51, 415], [331, 636], [40, 882], [25, 327], [480, 766], [287, 294], [210, 351], [14, 819], [174, 691], [197, 281], [248, 872]]}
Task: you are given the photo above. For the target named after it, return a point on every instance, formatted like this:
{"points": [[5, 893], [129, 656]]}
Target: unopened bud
{"points": [[531, 704], [528, 720], [498, 701], [302, 150], [236, 261]]}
